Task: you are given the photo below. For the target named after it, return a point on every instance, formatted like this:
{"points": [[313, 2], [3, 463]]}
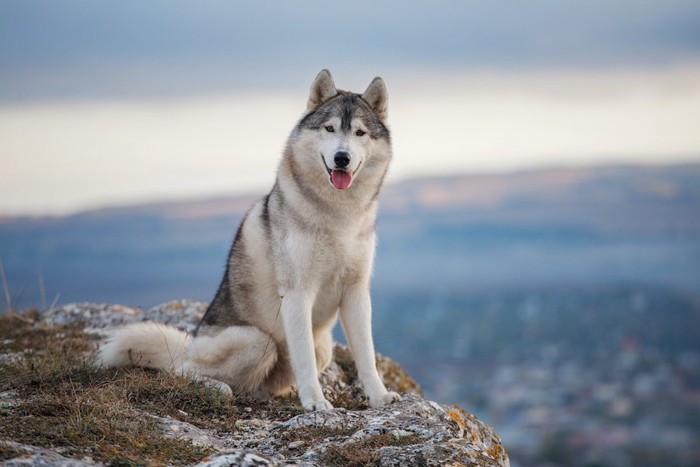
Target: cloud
{"points": [[65, 155], [78, 48]]}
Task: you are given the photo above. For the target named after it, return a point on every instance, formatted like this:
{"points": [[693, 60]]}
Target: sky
{"points": [[106, 103]]}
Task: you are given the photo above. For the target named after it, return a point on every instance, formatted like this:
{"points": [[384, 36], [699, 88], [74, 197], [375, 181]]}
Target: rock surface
{"points": [[25, 455], [413, 431]]}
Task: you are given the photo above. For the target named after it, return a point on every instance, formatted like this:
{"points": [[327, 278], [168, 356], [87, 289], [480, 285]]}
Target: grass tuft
{"points": [[61, 401], [365, 452]]}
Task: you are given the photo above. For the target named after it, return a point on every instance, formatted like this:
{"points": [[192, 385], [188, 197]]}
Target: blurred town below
{"points": [[561, 306]]}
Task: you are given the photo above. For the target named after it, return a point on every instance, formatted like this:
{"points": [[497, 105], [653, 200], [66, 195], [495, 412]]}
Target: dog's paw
{"points": [[387, 398], [222, 388], [315, 406]]}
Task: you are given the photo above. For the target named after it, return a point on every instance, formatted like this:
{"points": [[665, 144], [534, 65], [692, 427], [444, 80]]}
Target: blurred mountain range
{"points": [[556, 227]]}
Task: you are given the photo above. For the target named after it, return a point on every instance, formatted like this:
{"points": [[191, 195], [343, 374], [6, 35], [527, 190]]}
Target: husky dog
{"points": [[302, 256]]}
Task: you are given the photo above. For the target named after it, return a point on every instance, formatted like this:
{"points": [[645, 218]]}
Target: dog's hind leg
{"points": [[323, 348], [281, 378], [241, 356]]}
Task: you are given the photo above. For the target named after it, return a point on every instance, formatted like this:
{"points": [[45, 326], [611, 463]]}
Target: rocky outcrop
{"points": [[413, 431]]}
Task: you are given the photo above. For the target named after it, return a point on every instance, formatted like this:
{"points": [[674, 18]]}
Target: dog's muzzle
{"points": [[340, 177]]}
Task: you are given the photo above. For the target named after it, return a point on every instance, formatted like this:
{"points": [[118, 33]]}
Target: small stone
{"points": [[296, 445]]}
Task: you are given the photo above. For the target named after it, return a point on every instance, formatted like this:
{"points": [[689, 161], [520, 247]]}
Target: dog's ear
{"points": [[377, 98], [322, 89]]}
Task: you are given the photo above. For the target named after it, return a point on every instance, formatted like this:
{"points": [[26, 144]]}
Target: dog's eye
{"points": [[360, 133], [330, 129]]}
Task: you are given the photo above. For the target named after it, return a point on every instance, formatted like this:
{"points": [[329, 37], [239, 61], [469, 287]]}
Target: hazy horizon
{"points": [[245, 195], [111, 104]]}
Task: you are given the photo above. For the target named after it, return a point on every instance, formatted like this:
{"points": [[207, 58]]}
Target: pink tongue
{"points": [[341, 179]]}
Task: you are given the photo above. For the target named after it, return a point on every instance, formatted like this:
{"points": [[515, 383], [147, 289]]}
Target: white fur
{"points": [[151, 345]]}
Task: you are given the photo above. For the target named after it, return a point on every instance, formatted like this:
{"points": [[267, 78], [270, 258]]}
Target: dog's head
{"points": [[343, 131]]}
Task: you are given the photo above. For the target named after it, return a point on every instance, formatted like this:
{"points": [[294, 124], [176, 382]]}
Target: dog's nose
{"points": [[341, 159]]}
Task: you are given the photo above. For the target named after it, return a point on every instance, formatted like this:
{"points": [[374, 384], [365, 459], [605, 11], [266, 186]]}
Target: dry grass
{"points": [[7, 453], [365, 452], [60, 400]]}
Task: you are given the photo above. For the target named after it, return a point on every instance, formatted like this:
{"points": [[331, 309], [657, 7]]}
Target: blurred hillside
{"points": [[564, 226]]}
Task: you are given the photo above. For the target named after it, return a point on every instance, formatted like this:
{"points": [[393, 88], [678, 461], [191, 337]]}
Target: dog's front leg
{"points": [[356, 316], [296, 316]]}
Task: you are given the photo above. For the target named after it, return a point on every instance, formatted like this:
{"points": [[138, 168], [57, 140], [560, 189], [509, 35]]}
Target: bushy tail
{"points": [[150, 345]]}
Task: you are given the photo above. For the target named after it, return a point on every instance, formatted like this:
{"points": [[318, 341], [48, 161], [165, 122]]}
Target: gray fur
{"points": [[348, 106], [301, 257]]}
